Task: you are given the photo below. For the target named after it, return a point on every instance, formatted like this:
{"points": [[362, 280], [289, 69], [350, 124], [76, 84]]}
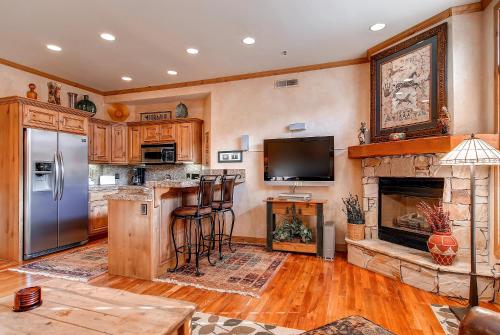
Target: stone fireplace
{"points": [[395, 233], [455, 197]]}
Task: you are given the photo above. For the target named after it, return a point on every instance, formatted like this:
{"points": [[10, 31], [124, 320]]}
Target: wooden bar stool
{"points": [[220, 207], [195, 214]]}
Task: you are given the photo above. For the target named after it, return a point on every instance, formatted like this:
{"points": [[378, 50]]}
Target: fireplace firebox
{"points": [[399, 221]]}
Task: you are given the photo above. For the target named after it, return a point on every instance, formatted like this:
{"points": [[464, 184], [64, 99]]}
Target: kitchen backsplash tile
{"points": [[153, 172]]}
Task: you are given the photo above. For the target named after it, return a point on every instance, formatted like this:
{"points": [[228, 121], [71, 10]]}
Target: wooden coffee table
{"points": [[76, 308]]}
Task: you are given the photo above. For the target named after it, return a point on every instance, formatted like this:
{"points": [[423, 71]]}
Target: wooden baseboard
{"points": [[98, 236], [248, 239], [341, 247], [262, 240]]}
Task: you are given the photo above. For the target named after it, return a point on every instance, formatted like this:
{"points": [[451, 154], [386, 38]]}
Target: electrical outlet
{"points": [[117, 176]]}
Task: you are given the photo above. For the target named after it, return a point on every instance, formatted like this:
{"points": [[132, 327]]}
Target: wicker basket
{"points": [[356, 232]]}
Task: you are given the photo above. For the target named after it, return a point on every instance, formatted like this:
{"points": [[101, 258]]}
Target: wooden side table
{"points": [[313, 207]]}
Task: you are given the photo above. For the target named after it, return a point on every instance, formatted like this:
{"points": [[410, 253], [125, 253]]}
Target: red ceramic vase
{"points": [[443, 247]]}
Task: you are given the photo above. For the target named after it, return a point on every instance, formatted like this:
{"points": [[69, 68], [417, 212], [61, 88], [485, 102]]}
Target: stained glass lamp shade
{"points": [[472, 151]]}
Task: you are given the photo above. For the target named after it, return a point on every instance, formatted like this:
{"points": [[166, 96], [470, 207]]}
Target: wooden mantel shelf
{"points": [[426, 145]]}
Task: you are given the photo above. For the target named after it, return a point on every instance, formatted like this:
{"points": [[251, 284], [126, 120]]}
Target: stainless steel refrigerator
{"points": [[55, 191]]}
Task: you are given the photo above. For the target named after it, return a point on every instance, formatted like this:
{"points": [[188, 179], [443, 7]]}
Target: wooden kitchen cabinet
{"points": [[40, 117], [73, 123], [134, 144], [167, 132], [188, 142], [101, 143], [119, 144], [151, 133], [98, 218]]}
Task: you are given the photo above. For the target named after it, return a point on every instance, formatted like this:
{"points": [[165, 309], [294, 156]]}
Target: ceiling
{"points": [[152, 36]]}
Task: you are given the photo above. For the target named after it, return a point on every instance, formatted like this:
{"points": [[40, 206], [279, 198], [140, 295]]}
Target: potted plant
{"points": [[442, 245], [292, 228], [355, 218]]}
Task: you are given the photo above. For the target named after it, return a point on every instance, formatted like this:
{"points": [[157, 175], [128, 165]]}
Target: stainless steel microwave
{"points": [[158, 153]]}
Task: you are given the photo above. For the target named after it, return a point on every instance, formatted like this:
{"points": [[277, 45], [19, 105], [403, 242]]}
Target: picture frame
{"points": [[156, 116], [408, 86], [230, 156]]}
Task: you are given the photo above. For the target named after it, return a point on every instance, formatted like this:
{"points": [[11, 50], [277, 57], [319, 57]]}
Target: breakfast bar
{"points": [[139, 238]]}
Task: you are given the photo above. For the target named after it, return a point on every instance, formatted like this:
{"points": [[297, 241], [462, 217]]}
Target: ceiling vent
{"points": [[286, 83]]}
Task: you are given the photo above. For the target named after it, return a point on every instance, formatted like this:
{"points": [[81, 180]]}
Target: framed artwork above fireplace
{"points": [[408, 86]]}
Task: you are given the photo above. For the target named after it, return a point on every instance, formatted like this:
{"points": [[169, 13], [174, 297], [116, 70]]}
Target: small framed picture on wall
{"points": [[231, 156]]}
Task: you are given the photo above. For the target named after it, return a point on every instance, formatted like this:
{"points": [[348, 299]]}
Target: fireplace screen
{"points": [[399, 220]]}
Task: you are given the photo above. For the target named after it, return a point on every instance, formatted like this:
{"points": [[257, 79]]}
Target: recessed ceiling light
{"points": [[126, 78], [172, 72], [54, 47], [249, 40], [377, 26], [108, 37], [192, 51]]}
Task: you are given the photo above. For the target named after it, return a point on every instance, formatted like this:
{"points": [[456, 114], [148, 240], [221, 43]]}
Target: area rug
{"points": [[204, 324], [351, 325], [247, 271], [82, 264], [446, 318]]}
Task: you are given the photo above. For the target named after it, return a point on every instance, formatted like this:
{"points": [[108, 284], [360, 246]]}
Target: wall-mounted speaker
{"points": [[245, 142], [297, 126]]}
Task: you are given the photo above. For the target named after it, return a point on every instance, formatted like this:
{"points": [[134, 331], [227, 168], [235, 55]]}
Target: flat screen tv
{"points": [[299, 159]]}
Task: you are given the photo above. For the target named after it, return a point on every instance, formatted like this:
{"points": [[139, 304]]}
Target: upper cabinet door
{"points": [[73, 123], [102, 143], [151, 133], [134, 144], [40, 118], [184, 142], [119, 144], [167, 132]]}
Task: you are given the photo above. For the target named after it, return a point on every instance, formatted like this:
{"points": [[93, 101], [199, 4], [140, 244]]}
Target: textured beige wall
{"points": [[467, 85], [330, 102], [15, 82]]}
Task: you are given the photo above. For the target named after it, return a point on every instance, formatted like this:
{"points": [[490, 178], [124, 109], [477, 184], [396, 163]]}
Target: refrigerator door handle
{"points": [[55, 181], [61, 178]]}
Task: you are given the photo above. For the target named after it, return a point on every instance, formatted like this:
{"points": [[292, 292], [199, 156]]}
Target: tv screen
{"points": [[299, 159]]}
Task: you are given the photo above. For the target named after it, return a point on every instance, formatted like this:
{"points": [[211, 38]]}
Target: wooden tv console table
{"points": [[312, 207]]}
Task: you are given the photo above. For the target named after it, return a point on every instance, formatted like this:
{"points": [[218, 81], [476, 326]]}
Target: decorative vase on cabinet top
{"points": [[86, 105]]}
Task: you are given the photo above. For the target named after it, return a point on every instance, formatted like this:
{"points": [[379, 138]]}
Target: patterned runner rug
{"points": [[82, 264], [446, 318], [247, 271], [204, 324]]}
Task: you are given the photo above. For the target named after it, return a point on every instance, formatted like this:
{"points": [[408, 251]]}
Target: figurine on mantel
{"points": [[32, 93], [363, 134], [444, 121]]}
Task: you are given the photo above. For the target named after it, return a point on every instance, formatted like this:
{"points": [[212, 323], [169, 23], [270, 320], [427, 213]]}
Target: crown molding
{"points": [[245, 76], [432, 21], [485, 3], [48, 76]]}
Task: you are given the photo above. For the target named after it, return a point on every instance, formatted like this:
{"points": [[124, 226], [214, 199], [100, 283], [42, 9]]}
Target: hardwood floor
{"points": [[306, 293]]}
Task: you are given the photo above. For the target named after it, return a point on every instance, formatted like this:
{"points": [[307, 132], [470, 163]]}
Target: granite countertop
{"points": [[97, 188], [146, 193]]}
